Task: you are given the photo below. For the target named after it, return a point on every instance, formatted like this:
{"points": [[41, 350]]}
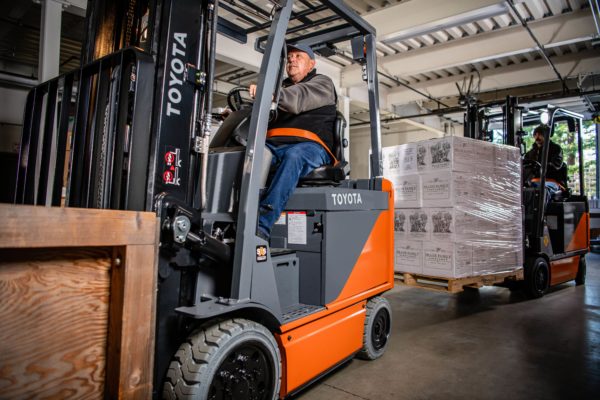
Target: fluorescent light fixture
{"points": [[445, 23]]}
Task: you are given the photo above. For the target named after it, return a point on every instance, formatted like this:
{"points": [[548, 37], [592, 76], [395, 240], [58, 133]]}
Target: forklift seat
{"points": [[331, 174], [234, 132]]}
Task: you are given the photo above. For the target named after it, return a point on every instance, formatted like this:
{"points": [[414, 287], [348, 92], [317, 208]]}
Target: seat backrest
{"points": [[331, 174], [339, 140]]}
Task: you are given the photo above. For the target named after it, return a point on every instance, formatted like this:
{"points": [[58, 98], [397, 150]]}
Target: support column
{"points": [[49, 59]]}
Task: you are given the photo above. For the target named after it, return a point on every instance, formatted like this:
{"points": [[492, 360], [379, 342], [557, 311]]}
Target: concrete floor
{"points": [[486, 344]]}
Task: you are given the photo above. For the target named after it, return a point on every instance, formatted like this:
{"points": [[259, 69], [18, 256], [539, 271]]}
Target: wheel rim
{"points": [[380, 330], [541, 277], [246, 373]]}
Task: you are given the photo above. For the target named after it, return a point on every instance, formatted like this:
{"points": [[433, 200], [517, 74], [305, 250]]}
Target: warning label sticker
{"points": [[297, 227], [261, 253]]}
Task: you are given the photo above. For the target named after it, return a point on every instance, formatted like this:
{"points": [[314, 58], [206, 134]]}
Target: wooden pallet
{"points": [[455, 285]]}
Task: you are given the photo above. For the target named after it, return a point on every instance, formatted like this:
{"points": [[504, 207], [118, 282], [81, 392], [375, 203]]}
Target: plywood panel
{"points": [[28, 226], [132, 316], [54, 307]]}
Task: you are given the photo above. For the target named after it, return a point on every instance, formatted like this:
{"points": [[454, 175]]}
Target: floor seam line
{"points": [[345, 391]]}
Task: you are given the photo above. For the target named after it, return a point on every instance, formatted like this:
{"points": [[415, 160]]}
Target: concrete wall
{"points": [[360, 143]]}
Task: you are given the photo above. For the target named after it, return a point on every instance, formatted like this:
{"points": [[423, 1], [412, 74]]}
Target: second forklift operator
{"points": [[556, 170]]}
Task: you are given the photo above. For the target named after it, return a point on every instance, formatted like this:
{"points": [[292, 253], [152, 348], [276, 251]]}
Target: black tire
{"points": [[378, 325], [581, 271], [537, 277], [232, 359]]}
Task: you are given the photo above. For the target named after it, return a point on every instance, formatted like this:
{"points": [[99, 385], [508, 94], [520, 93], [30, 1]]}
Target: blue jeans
{"points": [[551, 188], [293, 161]]}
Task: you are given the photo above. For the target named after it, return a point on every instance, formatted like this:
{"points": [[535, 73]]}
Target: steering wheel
{"points": [[531, 169], [235, 101]]}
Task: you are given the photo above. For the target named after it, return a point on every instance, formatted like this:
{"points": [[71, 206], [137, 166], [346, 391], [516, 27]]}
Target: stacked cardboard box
{"points": [[458, 207]]}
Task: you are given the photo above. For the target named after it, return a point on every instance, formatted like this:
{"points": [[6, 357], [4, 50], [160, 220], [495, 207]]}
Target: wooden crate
{"points": [[455, 285], [77, 303]]}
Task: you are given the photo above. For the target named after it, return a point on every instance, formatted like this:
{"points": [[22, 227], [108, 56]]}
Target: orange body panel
{"points": [[313, 344], [563, 270], [581, 236], [312, 349], [375, 265]]}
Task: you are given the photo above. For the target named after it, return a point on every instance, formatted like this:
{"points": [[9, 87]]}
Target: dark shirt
{"points": [[555, 168], [309, 105]]}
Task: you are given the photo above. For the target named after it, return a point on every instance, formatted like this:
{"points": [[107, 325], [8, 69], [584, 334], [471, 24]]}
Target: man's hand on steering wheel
{"points": [[252, 91]]}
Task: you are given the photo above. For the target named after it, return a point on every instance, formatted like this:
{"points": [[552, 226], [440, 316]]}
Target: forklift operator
{"points": [[301, 135], [555, 170]]}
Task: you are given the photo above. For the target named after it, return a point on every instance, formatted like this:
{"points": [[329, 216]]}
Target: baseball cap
{"points": [[302, 47]]}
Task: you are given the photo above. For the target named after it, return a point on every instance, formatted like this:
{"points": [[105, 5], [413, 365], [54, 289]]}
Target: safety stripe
{"points": [[302, 133], [561, 187]]}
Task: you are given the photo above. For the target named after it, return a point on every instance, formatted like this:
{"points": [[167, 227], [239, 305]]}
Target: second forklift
{"points": [[555, 224]]}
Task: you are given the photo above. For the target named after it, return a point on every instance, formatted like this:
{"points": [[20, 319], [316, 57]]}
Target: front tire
{"points": [[581, 271], [378, 325], [232, 359], [537, 278]]}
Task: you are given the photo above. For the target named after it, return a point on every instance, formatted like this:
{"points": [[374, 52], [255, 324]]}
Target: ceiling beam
{"points": [[543, 89], [505, 77], [406, 18], [554, 31]]}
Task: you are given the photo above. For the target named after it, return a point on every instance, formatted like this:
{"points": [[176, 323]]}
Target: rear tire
{"points": [[378, 325], [537, 277], [232, 359], [581, 271]]}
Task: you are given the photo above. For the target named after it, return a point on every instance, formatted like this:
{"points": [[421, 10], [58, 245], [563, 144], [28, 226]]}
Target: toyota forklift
{"points": [[557, 223], [238, 317], [556, 234]]}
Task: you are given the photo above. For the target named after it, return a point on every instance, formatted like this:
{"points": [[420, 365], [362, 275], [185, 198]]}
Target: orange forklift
{"points": [[237, 317], [556, 235], [556, 223]]}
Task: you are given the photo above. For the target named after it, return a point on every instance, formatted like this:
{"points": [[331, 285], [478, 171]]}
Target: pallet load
{"points": [[458, 207]]}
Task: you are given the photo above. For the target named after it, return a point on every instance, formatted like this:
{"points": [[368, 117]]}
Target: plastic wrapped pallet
{"points": [[400, 160], [448, 260], [407, 190], [496, 256], [418, 224], [469, 219], [456, 154], [507, 162], [462, 223], [409, 256], [449, 189], [400, 224]]}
